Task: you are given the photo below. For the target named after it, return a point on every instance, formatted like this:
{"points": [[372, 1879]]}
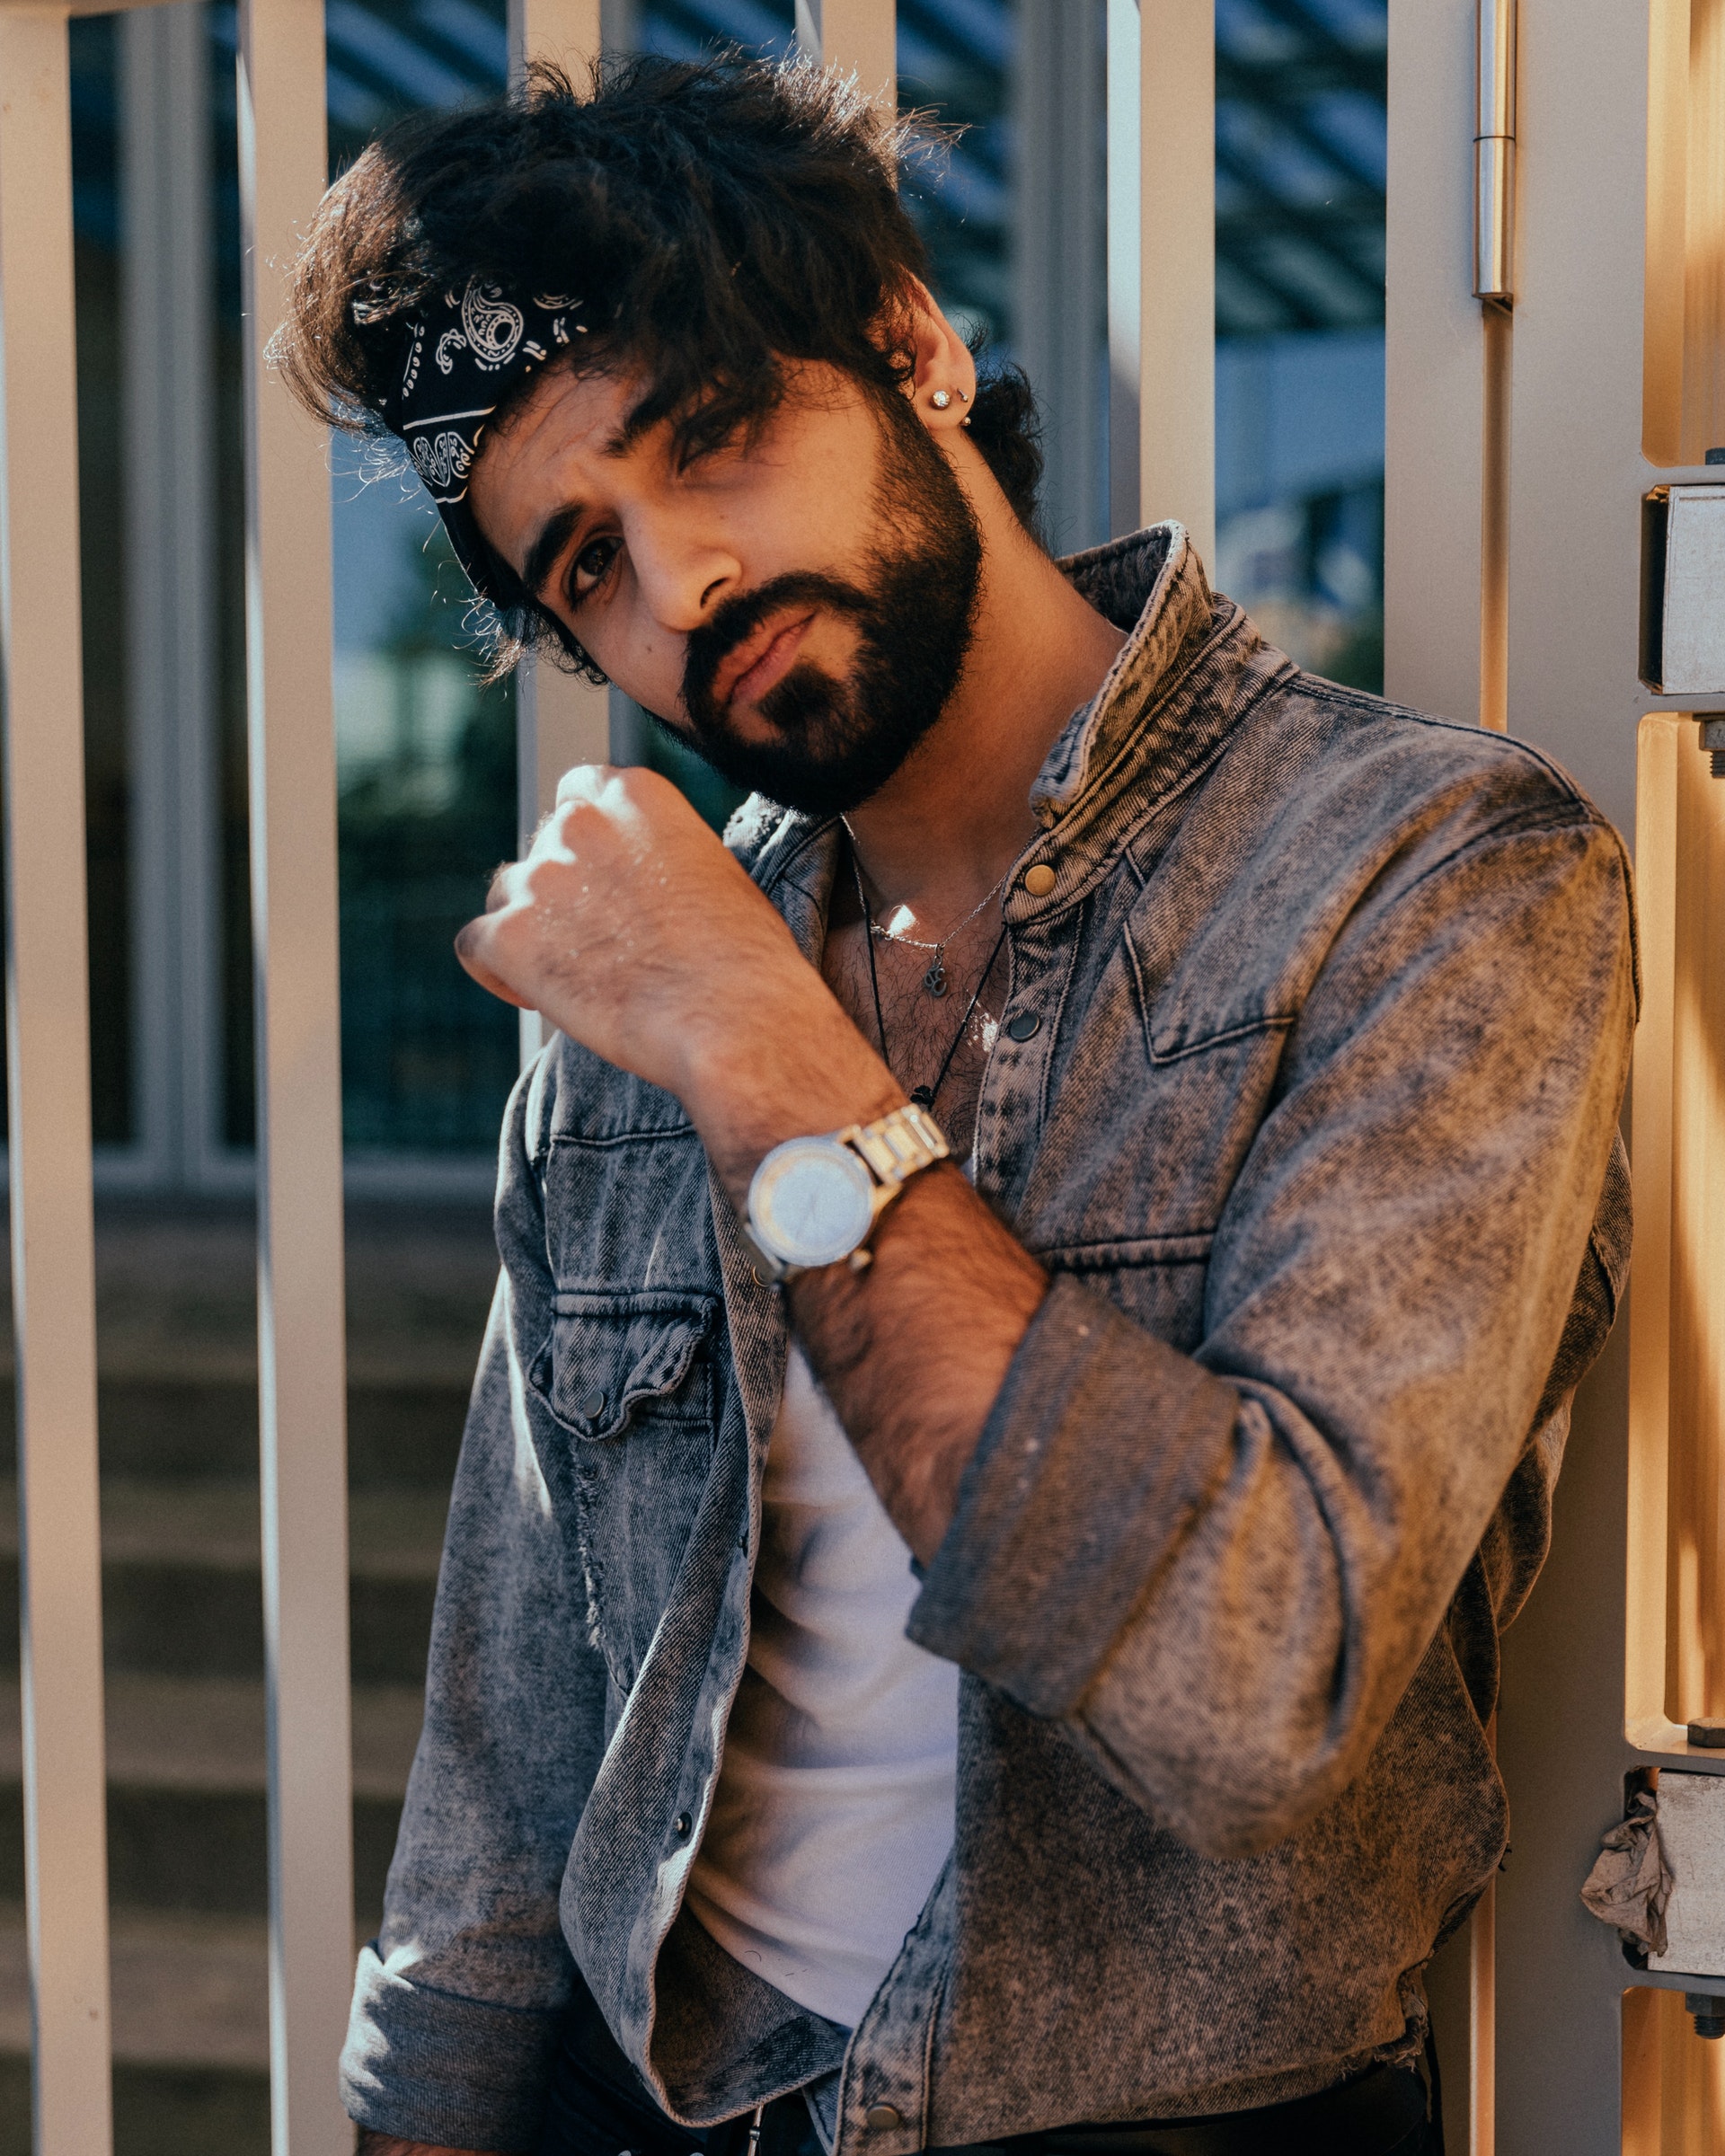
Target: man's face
{"points": [[800, 608]]}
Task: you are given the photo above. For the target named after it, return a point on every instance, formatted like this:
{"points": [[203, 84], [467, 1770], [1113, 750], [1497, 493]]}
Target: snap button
{"points": [[592, 1405], [1022, 1025], [1039, 881], [883, 2117], [681, 1826]]}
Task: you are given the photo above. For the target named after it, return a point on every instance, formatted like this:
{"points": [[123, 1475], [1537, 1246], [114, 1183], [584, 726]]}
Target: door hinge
{"points": [[1494, 154]]}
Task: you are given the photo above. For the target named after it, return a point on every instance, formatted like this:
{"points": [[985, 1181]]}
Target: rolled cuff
{"points": [[460, 2073], [1101, 1446]]}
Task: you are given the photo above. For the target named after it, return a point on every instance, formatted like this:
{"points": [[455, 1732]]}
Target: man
{"points": [[1042, 1279]]}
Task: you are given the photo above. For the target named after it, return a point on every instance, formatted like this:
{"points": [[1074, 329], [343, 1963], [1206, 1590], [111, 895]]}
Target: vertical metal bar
{"points": [[168, 445], [1498, 339], [1666, 324], [560, 719], [1125, 64], [1649, 1670], [566, 32], [858, 36], [48, 1026], [1434, 447], [301, 1345], [1696, 1651], [1579, 329], [1582, 109], [1177, 274], [1444, 606], [1057, 261]]}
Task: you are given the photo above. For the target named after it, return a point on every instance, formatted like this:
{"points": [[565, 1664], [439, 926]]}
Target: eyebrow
{"points": [[554, 533], [552, 539]]}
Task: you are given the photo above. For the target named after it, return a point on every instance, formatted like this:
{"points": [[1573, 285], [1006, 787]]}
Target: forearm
{"points": [[912, 1350]]}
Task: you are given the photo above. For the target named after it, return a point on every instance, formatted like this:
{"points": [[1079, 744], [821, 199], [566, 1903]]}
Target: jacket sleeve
{"points": [[459, 2000], [1220, 1570]]}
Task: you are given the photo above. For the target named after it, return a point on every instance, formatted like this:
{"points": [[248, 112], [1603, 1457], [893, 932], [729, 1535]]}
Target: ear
{"points": [[943, 382]]}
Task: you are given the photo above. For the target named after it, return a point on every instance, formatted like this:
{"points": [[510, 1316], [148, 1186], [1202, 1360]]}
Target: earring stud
{"points": [[941, 399]]}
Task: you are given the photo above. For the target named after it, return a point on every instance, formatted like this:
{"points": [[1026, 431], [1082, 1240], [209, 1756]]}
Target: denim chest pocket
{"points": [[618, 1365]]}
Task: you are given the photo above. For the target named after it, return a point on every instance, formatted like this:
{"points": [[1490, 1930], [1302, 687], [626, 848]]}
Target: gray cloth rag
{"points": [[1630, 1882]]}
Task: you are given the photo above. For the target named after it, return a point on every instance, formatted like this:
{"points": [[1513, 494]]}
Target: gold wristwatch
{"points": [[814, 1201]]}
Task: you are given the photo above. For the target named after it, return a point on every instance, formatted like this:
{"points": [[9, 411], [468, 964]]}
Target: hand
{"points": [[632, 929]]}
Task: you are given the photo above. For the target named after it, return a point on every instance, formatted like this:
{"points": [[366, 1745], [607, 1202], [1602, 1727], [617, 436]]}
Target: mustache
{"points": [[738, 618]]}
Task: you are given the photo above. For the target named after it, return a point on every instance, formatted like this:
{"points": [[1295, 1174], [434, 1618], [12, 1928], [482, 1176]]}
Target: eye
{"points": [[591, 566]]}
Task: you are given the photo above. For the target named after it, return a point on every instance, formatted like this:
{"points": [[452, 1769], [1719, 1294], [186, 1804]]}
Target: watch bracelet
{"points": [[896, 1145]]}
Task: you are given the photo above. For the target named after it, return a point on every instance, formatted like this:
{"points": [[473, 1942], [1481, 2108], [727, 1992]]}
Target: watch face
{"points": [[811, 1201]]}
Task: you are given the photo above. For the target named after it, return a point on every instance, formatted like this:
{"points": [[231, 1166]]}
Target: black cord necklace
{"points": [[923, 1095]]}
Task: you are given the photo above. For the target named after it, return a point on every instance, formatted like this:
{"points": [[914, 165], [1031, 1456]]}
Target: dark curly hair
{"points": [[719, 220]]}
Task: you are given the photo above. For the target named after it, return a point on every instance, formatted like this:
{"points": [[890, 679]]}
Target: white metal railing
{"points": [[302, 1391], [1168, 73], [48, 1015]]}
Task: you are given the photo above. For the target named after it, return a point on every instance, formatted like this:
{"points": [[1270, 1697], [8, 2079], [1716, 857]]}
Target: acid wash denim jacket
{"points": [[1310, 1113]]}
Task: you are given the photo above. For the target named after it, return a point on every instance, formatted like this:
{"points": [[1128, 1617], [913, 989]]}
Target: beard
{"points": [[834, 743]]}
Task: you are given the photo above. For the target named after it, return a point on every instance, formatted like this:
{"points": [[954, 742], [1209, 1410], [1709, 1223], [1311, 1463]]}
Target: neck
{"points": [[954, 816]]}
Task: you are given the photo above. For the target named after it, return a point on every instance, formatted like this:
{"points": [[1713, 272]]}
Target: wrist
{"points": [[798, 1069]]}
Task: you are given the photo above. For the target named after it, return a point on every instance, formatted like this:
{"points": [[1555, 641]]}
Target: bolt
{"points": [[1709, 2011]]}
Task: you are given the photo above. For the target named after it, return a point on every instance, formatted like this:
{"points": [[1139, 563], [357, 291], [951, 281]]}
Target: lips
{"points": [[750, 670]]}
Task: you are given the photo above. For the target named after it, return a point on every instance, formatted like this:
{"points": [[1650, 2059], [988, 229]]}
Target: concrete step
{"points": [[191, 2034], [181, 1578], [403, 1430], [176, 1306], [183, 1634], [186, 1781]]}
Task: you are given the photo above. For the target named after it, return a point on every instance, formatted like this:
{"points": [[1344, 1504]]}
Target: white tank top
{"points": [[834, 1811]]}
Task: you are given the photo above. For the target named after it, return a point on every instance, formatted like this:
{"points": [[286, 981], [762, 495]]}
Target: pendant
{"points": [[934, 979]]}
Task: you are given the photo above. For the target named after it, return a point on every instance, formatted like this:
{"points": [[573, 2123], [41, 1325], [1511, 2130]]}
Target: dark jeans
{"points": [[598, 2107]]}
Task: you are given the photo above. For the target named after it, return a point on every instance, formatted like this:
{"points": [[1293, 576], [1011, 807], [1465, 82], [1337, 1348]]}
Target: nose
{"points": [[683, 571]]}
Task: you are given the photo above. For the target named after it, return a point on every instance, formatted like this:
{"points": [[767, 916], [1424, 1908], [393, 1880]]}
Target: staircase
{"points": [[184, 1636]]}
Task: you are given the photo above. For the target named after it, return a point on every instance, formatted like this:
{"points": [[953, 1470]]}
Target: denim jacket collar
{"points": [[1190, 665]]}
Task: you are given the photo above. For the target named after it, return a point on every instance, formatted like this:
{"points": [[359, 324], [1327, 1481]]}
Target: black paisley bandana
{"points": [[465, 355]]}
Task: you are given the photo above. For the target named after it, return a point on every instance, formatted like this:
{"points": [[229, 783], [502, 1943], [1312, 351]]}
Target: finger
{"points": [[506, 886], [471, 945], [583, 783]]}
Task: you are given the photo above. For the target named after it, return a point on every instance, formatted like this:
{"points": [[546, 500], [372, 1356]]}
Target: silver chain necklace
{"points": [[934, 981]]}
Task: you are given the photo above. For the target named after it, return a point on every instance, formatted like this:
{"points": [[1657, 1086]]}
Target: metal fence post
{"points": [[48, 1020], [560, 720], [860, 36], [301, 1344], [1177, 276]]}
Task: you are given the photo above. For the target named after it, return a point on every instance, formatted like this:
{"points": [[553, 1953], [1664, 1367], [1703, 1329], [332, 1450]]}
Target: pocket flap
{"points": [[609, 1354]]}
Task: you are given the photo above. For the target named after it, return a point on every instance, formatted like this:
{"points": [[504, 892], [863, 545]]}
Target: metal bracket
{"points": [[1683, 591]]}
